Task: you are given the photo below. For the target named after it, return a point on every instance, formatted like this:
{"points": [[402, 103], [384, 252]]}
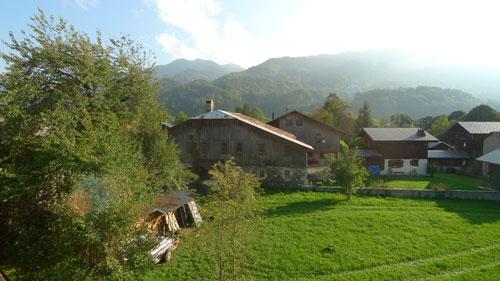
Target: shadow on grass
{"points": [[303, 207], [476, 212]]}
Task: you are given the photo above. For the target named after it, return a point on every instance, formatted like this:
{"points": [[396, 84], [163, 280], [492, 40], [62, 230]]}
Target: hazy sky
{"points": [[249, 32]]}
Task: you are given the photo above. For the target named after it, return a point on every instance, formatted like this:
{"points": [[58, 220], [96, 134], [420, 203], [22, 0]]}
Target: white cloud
{"points": [[86, 4], [451, 30]]}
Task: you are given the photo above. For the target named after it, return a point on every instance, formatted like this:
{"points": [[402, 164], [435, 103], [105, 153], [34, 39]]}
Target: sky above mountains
{"points": [[249, 32]]}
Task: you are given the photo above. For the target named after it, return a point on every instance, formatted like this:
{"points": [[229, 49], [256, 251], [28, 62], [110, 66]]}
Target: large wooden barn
{"points": [[276, 156], [324, 138]]}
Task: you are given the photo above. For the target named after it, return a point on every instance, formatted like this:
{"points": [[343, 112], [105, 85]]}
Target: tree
{"points": [[349, 170], [401, 120], [82, 154], [365, 119], [456, 115], [233, 204], [335, 112], [254, 112], [440, 125], [181, 117], [482, 113]]}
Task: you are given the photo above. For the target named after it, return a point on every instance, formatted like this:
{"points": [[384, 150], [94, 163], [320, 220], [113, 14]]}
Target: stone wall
{"points": [[416, 193]]}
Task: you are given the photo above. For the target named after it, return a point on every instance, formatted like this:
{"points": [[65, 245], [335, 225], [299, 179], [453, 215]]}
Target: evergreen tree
{"points": [[365, 119]]}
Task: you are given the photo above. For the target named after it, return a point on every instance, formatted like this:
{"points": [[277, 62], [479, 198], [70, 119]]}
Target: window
{"points": [[414, 162], [288, 175], [223, 148], [395, 163], [289, 122], [204, 148], [317, 138], [262, 148], [262, 173], [239, 147], [299, 122]]}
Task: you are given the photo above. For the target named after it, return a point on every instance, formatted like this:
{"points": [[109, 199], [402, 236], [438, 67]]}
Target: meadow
{"points": [[453, 181], [321, 236]]}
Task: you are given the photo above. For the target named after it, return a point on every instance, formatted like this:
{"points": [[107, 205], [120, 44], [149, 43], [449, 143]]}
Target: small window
{"points": [[289, 122], [395, 163], [239, 147], [262, 173], [204, 148], [318, 138], [262, 148], [414, 162], [299, 122], [288, 175], [223, 148]]}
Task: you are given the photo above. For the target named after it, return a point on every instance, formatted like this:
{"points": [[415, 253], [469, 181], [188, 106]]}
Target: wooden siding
{"points": [[320, 136], [397, 149]]}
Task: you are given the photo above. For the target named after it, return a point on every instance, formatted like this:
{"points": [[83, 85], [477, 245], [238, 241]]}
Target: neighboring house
{"points": [[447, 160], [490, 145], [396, 151], [491, 166], [276, 156], [324, 138], [469, 137]]}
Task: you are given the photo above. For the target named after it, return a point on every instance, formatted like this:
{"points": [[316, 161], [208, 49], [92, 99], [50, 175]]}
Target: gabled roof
{"points": [[446, 154], [221, 114], [397, 134], [492, 157], [312, 119], [480, 128], [431, 145]]}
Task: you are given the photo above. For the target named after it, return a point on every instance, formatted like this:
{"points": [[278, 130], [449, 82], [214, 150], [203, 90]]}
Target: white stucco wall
{"points": [[407, 169]]}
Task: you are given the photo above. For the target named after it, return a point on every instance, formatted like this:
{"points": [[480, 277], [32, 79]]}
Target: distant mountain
{"points": [[185, 71], [416, 102], [303, 83]]}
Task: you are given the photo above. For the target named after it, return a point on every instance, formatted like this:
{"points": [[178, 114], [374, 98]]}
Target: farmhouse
{"points": [[396, 151], [276, 156], [324, 138], [491, 157], [469, 137]]}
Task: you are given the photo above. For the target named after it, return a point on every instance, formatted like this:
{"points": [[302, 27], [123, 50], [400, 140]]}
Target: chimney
{"points": [[210, 105], [421, 132]]}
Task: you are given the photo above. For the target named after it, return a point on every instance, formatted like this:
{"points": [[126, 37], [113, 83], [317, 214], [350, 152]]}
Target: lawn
{"points": [[454, 182], [320, 236]]}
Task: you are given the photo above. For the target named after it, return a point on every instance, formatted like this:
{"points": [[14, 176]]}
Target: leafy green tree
{"points": [[365, 119], [456, 115], [440, 125], [181, 117], [233, 204], [425, 122], [482, 113], [251, 111], [349, 170], [81, 156], [336, 112], [401, 120]]}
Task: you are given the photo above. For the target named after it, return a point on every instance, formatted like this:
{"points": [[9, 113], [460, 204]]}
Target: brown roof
{"points": [[224, 115], [312, 119]]}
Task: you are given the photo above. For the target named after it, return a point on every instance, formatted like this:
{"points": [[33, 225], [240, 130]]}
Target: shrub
{"points": [[440, 186]]}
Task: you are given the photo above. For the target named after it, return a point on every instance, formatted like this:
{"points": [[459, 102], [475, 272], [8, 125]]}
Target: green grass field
{"points": [[455, 182], [369, 238]]}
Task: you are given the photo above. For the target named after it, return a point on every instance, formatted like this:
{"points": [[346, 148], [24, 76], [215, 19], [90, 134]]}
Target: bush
{"points": [[440, 186]]}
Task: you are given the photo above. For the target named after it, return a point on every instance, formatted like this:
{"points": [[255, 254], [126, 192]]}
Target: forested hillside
{"points": [[416, 102], [303, 83], [185, 71]]}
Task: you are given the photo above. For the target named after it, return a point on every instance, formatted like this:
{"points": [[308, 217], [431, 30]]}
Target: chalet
{"points": [[324, 138], [396, 151], [469, 137], [491, 157], [276, 156]]}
